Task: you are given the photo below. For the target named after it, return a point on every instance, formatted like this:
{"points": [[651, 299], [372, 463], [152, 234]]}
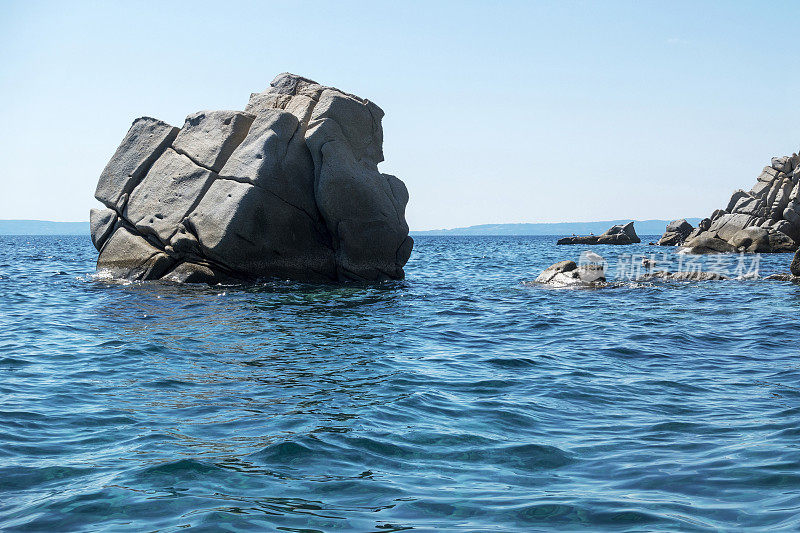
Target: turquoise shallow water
{"points": [[458, 400]]}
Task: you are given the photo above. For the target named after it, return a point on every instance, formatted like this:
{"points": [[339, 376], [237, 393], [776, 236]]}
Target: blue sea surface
{"points": [[461, 399]]}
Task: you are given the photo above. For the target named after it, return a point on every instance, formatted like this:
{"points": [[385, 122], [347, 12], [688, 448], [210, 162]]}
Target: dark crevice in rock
{"points": [[402, 243], [190, 229], [131, 227], [221, 164], [318, 167], [117, 225], [135, 271], [188, 225], [193, 160], [209, 263], [131, 181], [151, 238]]}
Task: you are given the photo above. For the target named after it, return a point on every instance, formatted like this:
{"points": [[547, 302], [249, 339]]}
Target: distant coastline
{"points": [[643, 227], [42, 227]]}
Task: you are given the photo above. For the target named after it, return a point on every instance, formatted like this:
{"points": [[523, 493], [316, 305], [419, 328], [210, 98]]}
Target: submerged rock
{"points": [[288, 188], [618, 234]]}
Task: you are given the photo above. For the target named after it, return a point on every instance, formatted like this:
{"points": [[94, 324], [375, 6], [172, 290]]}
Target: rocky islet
{"points": [[287, 188], [618, 234]]}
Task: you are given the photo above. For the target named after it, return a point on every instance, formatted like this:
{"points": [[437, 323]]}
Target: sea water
{"points": [[460, 399]]}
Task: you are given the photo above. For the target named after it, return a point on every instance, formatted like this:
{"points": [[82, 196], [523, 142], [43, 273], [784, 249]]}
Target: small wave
{"points": [[180, 469], [14, 362], [532, 456], [20, 478], [512, 362], [288, 452]]}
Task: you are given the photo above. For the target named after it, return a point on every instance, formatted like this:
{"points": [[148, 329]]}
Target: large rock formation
{"points": [[764, 219], [619, 234], [289, 188]]}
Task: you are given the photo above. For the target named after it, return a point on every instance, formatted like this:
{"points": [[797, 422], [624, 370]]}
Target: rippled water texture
{"points": [[460, 399]]}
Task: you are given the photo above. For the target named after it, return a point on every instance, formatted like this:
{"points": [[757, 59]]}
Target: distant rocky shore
{"points": [[764, 219], [287, 188]]}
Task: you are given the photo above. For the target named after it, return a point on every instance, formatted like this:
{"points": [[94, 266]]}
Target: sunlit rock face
{"points": [[288, 188]]}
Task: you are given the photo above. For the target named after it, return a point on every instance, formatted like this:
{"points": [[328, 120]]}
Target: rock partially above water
{"points": [[586, 275], [288, 188], [619, 234], [677, 232], [568, 273], [782, 276], [693, 275]]}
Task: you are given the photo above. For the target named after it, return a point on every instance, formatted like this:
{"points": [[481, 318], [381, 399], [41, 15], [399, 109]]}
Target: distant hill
{"points": [[643, 227], [42, 227]]}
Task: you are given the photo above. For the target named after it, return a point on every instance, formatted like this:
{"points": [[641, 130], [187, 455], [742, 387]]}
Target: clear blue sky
{"points": [[495, 112]]}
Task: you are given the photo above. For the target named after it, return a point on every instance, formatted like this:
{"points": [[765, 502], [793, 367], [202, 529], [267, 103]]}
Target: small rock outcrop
{"points": [[563, 272], [591, 275], [783, 276], [619, 234], [287, 188], [764, 219], [569, 274], [676, 233], [695, 275]]}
